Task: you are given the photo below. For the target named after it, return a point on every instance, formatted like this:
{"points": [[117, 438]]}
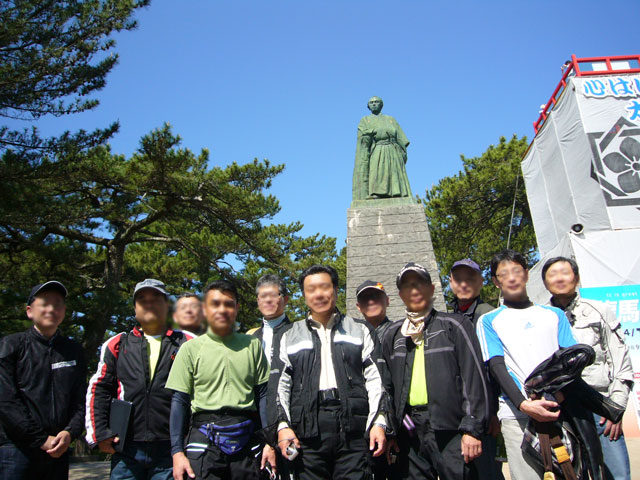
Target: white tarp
{"points": [[606, 258], [583, 166], [610, 111]]}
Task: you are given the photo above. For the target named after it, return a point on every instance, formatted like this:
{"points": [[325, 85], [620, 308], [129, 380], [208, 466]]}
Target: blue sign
{"points": [[624, 300]]}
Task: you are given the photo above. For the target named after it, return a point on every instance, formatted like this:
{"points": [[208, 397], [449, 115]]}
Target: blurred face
{"points": [[416, 292], [47, 311], [220, 310], [511, 278], [373, 305], [560, 279], [151, 307], [271, 302], [465, 283], [319, 293], [188, 313]]}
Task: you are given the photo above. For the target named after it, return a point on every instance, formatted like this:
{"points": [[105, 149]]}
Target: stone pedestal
{"points": [[380, 241]]}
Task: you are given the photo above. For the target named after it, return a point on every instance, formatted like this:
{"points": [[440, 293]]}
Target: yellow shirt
{"points": [[153, 350], [418, 388]]}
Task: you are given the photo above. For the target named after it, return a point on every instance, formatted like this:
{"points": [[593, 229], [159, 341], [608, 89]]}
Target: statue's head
{"points": [[375, 105]]}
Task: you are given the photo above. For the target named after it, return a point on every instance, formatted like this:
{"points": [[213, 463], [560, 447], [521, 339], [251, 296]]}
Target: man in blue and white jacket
{"points": [[515, 339]]}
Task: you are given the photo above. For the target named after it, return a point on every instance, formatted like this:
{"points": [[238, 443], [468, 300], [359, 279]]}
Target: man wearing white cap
{"points": [[42, 385], [440, 393]]}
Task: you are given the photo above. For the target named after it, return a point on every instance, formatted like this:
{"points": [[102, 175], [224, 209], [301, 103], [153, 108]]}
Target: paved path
{"points": [[89, 471], [633, 445], [100, 470]]}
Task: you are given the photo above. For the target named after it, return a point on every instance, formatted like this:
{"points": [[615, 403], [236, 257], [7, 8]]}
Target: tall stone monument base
{"points": [[380, 241]]}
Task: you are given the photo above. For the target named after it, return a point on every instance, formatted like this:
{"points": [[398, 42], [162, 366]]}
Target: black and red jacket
{"points": [[123, 373]]}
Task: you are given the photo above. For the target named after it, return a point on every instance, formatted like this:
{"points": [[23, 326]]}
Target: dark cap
{"points": [[467, 262], [369, 284], [43, 287], [151, 283], [413, 267]]}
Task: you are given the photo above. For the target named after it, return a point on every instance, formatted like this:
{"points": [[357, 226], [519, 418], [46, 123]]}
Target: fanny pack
{"points": [[229, 439]]}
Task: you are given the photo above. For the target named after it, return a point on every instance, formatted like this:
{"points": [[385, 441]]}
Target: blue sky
{"points": [[289, 81]]}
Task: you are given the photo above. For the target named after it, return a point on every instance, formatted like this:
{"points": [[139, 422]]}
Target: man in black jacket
{"points": [[134, 367], [440, 393], [273, 297], [465, 280], [42, 387], [372, 302], [330, 392]]}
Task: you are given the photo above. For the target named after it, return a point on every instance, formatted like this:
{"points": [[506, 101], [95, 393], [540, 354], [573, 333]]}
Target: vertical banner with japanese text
{"points": [[625, 301]]}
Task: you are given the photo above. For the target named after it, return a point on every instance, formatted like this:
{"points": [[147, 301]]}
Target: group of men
{"points": [[328, 396]]}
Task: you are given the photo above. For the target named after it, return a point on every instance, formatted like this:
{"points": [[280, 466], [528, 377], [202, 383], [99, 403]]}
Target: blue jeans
{"points": [[616, 457], [31, 464], [143, 461]]}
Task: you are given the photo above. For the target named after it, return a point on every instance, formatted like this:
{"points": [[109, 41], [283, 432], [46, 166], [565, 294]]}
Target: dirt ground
{"points": [[100, 470]]}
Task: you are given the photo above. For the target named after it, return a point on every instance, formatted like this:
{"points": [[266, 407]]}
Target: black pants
{"points": [[333, 454], [31, 464], [210, 463], [379, 467], [431, 454]]}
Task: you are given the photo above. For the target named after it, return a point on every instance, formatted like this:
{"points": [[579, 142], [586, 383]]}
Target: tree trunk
{"points": [[106, 303]]}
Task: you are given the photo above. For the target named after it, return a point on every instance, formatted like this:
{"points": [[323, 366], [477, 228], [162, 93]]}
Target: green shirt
{"points": [[219, 372], [418, 388]]}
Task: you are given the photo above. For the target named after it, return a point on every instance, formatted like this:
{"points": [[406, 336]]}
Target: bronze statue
{"points": [[381, 155]]}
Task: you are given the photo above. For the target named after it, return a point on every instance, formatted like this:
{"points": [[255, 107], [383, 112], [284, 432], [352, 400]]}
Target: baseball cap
{"points": [[413, 267], [151, 283], [50, 285], [467, 262], [369, 284]]}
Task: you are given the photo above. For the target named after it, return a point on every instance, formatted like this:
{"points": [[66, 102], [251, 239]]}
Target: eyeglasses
{"points": [[518, 273], [269, 296]]}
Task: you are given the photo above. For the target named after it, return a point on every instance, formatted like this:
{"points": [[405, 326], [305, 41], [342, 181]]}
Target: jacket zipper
{"points": [[344, 359], [147, 369], [52, 388]]}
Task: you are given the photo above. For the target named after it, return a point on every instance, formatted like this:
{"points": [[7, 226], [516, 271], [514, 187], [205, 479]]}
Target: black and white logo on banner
{"points": [[616, 162]]}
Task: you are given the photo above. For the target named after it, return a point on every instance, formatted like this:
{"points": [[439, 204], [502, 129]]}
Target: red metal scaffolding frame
{"points": [[574, 66]]}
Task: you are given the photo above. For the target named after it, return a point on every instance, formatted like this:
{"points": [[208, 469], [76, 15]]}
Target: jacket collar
{"points": [[41, 338], [274, 323], [334, 321], [570, 307], [137, 331], [469, 311]]}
